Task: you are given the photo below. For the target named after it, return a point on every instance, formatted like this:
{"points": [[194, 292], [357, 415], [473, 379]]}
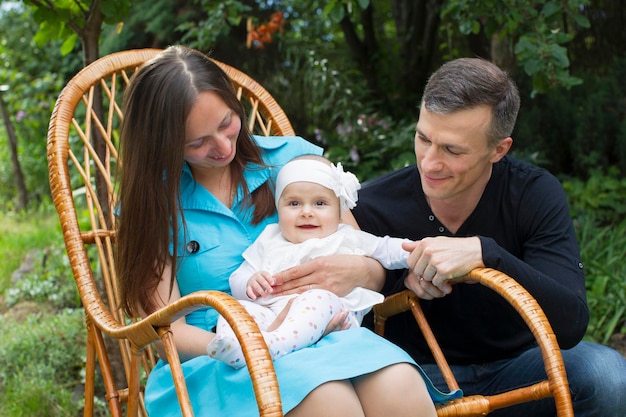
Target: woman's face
{"points": [[211, 132]]}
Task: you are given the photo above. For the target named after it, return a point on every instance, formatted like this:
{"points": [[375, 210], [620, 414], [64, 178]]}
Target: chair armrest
{"points": [[156, 326], [530, 311]]}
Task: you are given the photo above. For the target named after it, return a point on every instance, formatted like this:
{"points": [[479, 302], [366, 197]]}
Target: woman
{"points": [[187, 156]]}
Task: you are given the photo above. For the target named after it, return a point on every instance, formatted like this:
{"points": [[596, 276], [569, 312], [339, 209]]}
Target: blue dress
{"points": [[212, 246]]}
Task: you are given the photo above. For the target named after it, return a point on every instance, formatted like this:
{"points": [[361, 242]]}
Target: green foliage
{"points": [[27, 396], [579, 130], [332, 96], [22, 232], [598, 207], [65, 19], [218, 21], [371, 145], [603, 251], [35, 75], [40, 364], [43, 345], [539, 30], [336, 9], [602, 196], [150, 23], [50, 281]]}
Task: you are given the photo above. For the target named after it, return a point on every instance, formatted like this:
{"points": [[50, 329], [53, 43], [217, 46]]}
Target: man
{"points": [[469, 205]]}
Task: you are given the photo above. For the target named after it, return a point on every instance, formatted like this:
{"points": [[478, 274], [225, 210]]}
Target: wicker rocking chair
{"points": [[81, 174], [82, 159], [478, 405]]}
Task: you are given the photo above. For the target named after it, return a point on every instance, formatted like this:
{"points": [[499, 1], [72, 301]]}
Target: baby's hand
{"points": [[259, 285]]}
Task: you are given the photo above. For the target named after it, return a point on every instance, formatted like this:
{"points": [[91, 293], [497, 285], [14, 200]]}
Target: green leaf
{"points": [[234, 20], [559, 55], [115, 10], [41, 37], [550, 9], [467, 27], [581, 20], [337, 13], [532, 66], [475, 27], [328, 9], [68, 44], [525, 49]]}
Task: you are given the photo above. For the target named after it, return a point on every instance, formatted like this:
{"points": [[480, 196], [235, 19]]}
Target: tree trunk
{"points": [[89, 38], [396, 78], [364, 51], [502, 53], [417, 23], [17, 169]]}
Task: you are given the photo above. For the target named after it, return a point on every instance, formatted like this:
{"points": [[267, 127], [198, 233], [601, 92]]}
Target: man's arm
{"points": [[550, 267]]}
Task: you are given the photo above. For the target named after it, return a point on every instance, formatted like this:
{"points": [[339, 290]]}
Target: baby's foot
{"points": [[226, 349]]}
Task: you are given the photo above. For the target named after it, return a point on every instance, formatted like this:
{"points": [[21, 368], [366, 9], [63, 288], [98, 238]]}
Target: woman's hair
{"points": [[466, 83], [156, 105]]}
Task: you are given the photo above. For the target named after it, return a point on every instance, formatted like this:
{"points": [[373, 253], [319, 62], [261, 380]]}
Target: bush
{"points": [[26, 396], [41, 361], [602, 196], [598, 208], [50, 281], [576, 131], [371, 145], [603, 250], [22, 232]]}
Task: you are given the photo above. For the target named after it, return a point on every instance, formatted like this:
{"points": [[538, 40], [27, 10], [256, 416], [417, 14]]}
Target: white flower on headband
{"points": [[346, 187]]}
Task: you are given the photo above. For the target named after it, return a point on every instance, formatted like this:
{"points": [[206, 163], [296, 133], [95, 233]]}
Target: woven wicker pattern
{"points": [[556, 386], [82, 161]]}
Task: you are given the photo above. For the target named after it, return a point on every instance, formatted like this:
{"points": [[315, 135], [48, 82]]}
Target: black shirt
{"points": [[523, 222]]}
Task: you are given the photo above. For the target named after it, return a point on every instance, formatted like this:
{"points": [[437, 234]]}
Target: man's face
{"points": [[453, 157]]}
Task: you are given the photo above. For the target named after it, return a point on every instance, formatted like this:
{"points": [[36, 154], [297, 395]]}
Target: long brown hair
{"points": [[156, 105]]}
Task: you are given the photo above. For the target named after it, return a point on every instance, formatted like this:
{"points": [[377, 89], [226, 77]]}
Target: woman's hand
{"points": [[339, 274]]}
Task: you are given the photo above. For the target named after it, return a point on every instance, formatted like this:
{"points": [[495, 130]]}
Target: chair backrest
{"points": [[82, 159]]}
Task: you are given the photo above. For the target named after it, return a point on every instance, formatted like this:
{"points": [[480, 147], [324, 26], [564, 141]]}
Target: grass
{"points": [[21, 233], [40, 368], [42, 348]]}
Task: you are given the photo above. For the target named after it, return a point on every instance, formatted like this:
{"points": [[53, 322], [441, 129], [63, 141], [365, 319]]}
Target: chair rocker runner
{"points": [[82, 162]]}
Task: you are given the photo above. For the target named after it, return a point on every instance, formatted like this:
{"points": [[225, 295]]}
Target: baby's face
{"points": [[307, 210]]}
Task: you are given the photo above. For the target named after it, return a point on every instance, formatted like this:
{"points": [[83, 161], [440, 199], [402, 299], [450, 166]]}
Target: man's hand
{"points": [[435, 262]]}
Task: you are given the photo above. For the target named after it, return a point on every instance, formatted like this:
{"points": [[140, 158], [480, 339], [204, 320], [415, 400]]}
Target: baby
{"points": [[311, 194]]}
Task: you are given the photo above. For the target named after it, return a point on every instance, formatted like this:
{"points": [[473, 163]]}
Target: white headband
{"points": [[344, 184]]}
